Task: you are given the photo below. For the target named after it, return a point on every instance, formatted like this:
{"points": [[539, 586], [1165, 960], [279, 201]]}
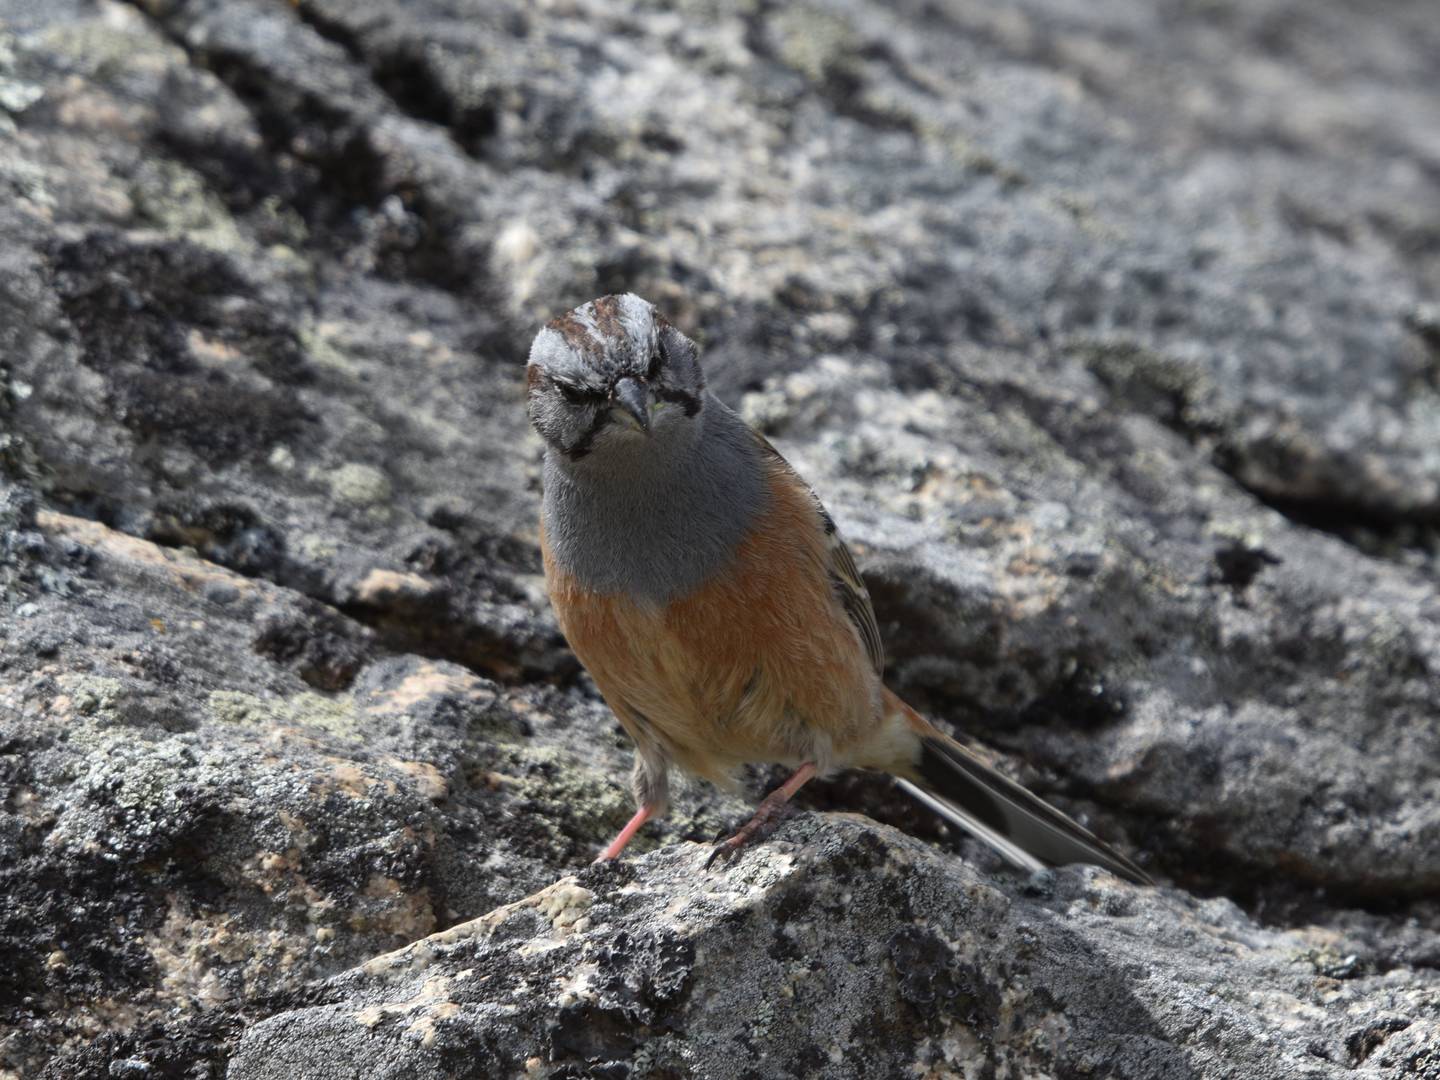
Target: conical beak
{"points": [[632, 396]]}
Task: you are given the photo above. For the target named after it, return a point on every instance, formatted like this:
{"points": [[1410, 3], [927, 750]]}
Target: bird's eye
{"points": [[577, 395], [657, 358]]}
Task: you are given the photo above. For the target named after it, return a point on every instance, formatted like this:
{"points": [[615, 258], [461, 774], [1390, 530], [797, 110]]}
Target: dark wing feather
{"points": [[1015, 821], [856, 599], [844, 574]]}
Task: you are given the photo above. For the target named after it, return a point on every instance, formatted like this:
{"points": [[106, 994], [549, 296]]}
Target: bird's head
{"points": [[613, 374]]}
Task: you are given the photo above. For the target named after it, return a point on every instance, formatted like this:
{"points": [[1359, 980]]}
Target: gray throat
{"points": [[657, 518]]}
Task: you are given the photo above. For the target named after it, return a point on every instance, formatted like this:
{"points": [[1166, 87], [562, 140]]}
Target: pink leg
{"points": [[627, 833], [765, 814]]}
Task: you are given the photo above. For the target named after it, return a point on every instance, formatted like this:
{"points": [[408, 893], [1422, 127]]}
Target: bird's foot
{"points": [[759, 826], [631, 828], [767, 814]]}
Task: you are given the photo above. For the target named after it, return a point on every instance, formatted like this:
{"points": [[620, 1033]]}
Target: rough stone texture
{"points": [[847, 949], [1108, 331]]}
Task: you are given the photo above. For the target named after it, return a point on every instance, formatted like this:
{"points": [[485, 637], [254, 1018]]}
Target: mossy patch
{"points": [[178, 201], [335, 716], [361, 486]]}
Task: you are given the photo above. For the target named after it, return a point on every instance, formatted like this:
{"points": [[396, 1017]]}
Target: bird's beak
{"points": [[633, 396]]}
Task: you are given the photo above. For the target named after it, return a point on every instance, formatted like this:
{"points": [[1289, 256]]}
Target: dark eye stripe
{"points": [[578, 395], [582, 445], [689, 402], [657, 358]]}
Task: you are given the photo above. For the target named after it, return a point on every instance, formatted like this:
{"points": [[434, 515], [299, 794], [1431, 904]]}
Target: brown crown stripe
{"points": [[606, 313], [575, 333]]}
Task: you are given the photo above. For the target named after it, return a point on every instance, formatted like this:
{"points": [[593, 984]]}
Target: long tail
{"points": [[1021, 826]]}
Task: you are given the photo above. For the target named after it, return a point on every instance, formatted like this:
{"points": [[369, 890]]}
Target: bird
{"points": [[704, 587]]}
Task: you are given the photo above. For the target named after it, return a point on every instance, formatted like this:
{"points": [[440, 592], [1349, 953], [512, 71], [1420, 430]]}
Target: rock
{"points": [[194, 826], [846, 949], [1108, 335]]}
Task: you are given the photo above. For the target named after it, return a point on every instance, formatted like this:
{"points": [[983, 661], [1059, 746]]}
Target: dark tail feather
{"points": [[1021, 826]]}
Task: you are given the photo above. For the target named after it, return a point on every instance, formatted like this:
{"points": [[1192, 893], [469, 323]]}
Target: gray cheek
{"points": [[537, 419], [558, 424], [613, 435]]}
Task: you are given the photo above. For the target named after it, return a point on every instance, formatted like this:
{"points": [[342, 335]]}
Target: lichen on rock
{"points": [[1104, 331]]}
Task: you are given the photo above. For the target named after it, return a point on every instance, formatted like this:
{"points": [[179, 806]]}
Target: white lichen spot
{"points": [[317, 548], [319, 343], [514, 258], [577, 988], [359, 485], [335, 716], [564, 904]]}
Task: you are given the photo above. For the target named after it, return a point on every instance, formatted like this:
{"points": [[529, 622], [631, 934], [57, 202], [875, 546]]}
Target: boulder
{"points": [[1106, 332]]}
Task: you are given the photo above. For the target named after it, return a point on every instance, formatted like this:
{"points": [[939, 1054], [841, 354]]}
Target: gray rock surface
{"points": [[844, 948], [1109, 333]]}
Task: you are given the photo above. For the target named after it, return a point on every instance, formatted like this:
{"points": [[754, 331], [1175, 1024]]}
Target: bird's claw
{"points": [[764, 821], [725, 850]]}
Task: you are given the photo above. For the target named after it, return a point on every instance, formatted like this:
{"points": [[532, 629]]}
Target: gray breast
{"points": [[656, 522]]}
